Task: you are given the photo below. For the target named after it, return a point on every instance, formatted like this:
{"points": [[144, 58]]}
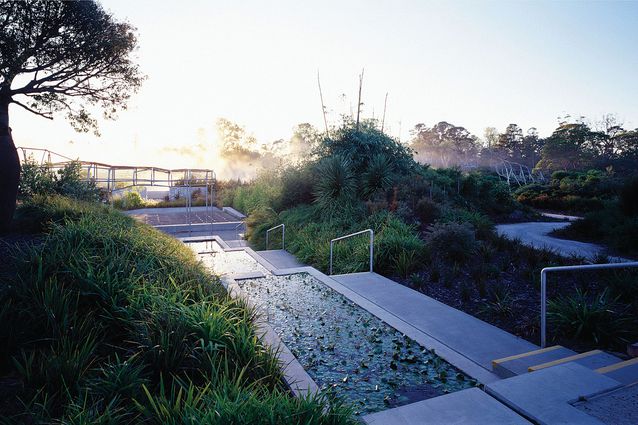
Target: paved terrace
{"points": [[177, 215]]}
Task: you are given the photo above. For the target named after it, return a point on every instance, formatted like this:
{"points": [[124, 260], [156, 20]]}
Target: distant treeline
{"points": [[573, 145]]}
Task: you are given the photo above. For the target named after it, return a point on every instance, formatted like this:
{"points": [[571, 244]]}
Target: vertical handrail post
{"points": [[330, 270], [283, 235], [349, 236], [371, 249], [543, 308]]}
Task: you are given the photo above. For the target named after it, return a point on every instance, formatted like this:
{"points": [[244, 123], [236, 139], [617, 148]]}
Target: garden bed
{"points": [[502, 287]]}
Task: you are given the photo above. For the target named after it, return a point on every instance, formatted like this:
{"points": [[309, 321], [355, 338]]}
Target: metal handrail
{"points": [[351, 235], [567, 269], [283, 235]]}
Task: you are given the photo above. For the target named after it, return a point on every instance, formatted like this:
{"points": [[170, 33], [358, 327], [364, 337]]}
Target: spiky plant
{"points": [[337, 185], [378, 176]]}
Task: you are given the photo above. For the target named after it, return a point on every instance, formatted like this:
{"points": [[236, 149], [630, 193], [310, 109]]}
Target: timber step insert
{"points": [[625, 372], [519, 363], [591, 359]]}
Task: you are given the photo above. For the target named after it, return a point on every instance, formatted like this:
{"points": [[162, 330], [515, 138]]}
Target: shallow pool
{"points": [[346, 349], [225, 263]]}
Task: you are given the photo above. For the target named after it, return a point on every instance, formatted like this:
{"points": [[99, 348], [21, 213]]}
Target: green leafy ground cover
{"points": [[105, 320]]}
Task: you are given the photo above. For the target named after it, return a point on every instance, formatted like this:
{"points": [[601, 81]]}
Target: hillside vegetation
{"points": [[434, 232], [105, 320]]}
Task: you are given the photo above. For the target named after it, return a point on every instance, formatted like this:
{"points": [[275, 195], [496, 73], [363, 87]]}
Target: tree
{"points": [[531, 148], [304, 140], [60, 57], [491, 136], [510, 143], [627, 144], [444, 144], [571, 146]]}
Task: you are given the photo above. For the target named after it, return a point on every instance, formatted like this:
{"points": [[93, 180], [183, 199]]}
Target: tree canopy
{"points": [[66, 57], [444, 144]]}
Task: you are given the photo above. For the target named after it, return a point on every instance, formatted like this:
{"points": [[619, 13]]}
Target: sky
{"points": [[474, 63]]}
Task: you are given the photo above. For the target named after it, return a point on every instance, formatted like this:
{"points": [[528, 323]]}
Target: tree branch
{"points": [[49, 117]]}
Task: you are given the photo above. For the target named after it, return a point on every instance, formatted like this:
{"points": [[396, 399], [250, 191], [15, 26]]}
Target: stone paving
{"points": [[174, 216]]}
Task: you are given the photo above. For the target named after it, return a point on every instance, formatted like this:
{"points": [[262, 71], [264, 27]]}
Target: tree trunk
{"points": [[9, 170]]}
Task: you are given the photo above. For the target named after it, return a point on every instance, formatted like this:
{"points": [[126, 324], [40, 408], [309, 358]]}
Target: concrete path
{"points": [[280, 259], [535, 234], [472, 338], [178, 215], [471, 406], [546, 396]]}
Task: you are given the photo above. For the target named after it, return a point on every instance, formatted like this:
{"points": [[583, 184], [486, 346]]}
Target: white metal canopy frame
{"points": [[118, 177], [547, 270]]}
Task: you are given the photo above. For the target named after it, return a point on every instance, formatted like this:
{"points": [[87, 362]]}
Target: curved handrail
{"points": [[567, 269], [283, 235], [349, 236]]}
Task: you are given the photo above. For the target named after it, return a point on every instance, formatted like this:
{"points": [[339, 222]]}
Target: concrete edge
{"points": [[232, 211], [247, 275]]}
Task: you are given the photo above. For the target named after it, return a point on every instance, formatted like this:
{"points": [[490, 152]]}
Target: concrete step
{"points": [[546, 396], [625, 372], [237, 243], [518, 364], [471, 406], [591, 359]]}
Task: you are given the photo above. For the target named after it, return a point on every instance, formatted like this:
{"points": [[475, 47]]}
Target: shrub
{"points": [[129, 201], [360, 145], [263, 192], [487, 193], [336, 187], [451, 241], [398, 249], [36, 179], [598, 319], [426, 211], [41, 212], [480, 223], [629, 197], [297, 185], [377, 177]]}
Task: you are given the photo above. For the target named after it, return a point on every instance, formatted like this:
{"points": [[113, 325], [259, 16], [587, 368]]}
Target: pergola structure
{"points": [[121, 177]]}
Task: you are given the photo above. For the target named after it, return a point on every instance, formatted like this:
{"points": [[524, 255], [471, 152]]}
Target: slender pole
{"points": [[371, 249], [330, 272], [359, 102], [385, 104], [283, 236], [323, 106], [543, 308]]}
